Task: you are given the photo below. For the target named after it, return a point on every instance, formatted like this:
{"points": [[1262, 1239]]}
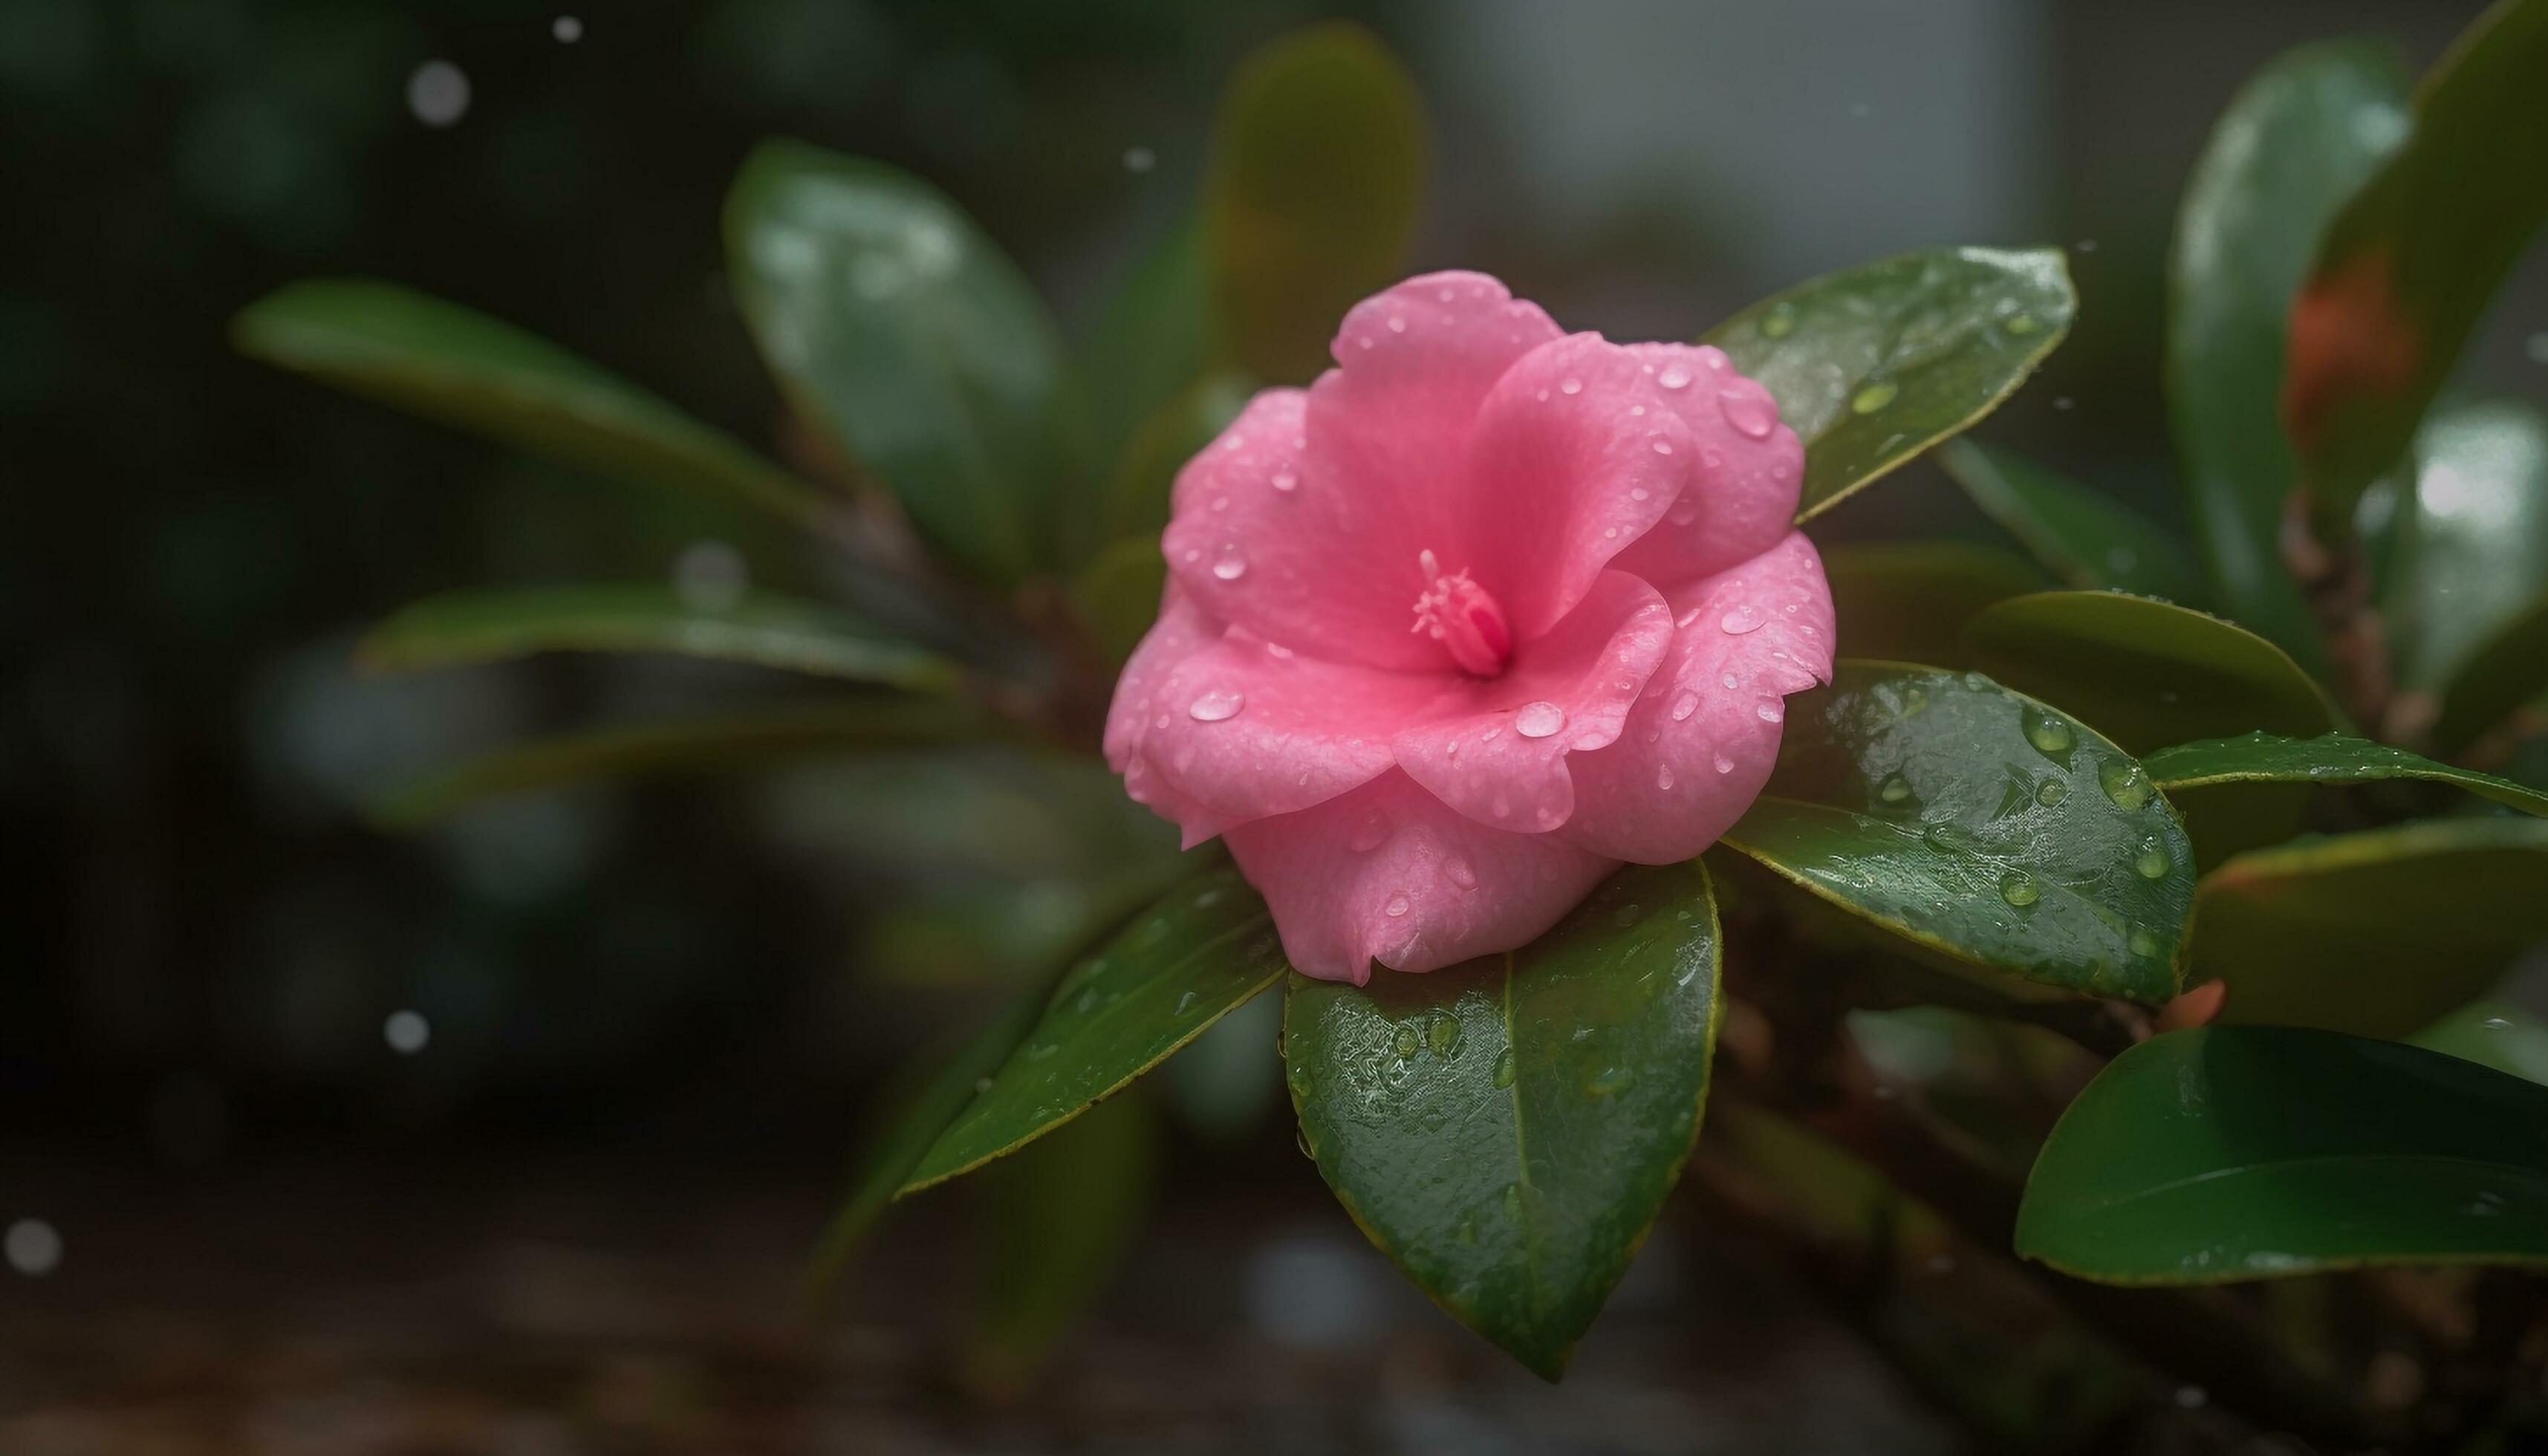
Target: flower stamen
{"points": [[1463, 617]]}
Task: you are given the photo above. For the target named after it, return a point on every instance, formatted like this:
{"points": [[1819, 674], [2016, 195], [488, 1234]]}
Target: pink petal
{"points": [[1386, 872], [1745, 497], [1305, 521], [1497, 749], [1245, 729], [1696, 751], [1579, 451], [1182, 630]]}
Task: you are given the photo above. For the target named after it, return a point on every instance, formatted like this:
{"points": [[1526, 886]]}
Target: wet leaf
{"points": [[1506, 1130], [1979, 825], [2330, 758], [2404, 272], [2377, 932], [893, 326], [499, 625], [2079, 534], [1061, 1217], [1874, 364], [2468, 550], [437, 359], [1203, 951], [2297, 141], [2146, 672], [2244, 1152]]}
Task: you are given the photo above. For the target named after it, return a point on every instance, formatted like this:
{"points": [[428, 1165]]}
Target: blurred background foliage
{"points": [[207, 934]]}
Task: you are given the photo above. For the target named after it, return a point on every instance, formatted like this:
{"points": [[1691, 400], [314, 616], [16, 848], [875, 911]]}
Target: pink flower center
{"points": [[1463, 617]]}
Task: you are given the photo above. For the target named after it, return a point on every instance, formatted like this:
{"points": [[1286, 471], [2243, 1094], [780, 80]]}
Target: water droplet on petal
{"points": [[1396, 323], [1370, 833], [1687, 703], [1458, 872], [1772, 711], [1673, 378], [1285, 481], [1663, 776], [1396, 907], [1663, 447], [1570, 386], [1724, 765], [1231, 568], [1214, 705], [1749, 409], [1741, 619], [1538, 719]]}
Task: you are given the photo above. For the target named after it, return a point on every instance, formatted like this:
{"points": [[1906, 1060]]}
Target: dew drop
{"points": [[1946, 837], [2018, 888], [1215, 704], [2142, 943], [1894, 790], [2496, 1024], [1687, 703], [1297, 1076], [1504, 1068], [1570, 386], [1640, 493], [2049, 735], [1663, 447], [2123, 782], [1396, 323], [1231, 568], [2152, 862], [1606, 1081], [1673, 378], [1663, 776], [2050, 792], [1285, 481], [1513, 1202], [1396, 907], [1781, 323], [2020, 323], [1458, 872], [1538, 719], [1741, 619], [1369, 834], [1749, 409], [1875, 397], [1444, 1036], [1724, 765], [1770, 711], [1406, 1043]]}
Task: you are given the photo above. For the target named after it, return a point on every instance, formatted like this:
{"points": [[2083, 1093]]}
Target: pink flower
{"points": [[1484, 611]]}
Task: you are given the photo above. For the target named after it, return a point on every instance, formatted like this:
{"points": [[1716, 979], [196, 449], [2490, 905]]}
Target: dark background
{"points": [[658, 1013]]}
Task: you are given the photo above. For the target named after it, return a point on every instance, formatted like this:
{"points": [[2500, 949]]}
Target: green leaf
{"points": [[2293, 146], [2402, 274], [1507, 1129], [1980, 826], [2469, 549], [895, 326], [2268, 758], [1908, 601], [2079, 534], [495, 625], [2376, 932], [437, 359], [1317, 167], [688, 747], [1118, 595], [1155, 337], [2506, 670], [2242, 1152], [923, 1107], [1874, 364], [1137, 499], [2147, 673], [1062, 1215], [1199, 953], [2492, 1032]]}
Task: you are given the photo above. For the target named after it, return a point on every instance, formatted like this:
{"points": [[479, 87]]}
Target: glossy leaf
{"points": [[2079, 534], [2146, 672], [1178, 967], [2402, 273], [2293, 144], [455, 365], [2330, 758], [1980, 826], [685, 747], [1506, 1130], [1117, 594], [1874, 364], [1908, 601], [2469, 546], [499, 625], [2492, 1032], [1318, 168], [923, 1107], [2377, 932], [896, 328], [1061, 1217], [2242, 1152]]}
